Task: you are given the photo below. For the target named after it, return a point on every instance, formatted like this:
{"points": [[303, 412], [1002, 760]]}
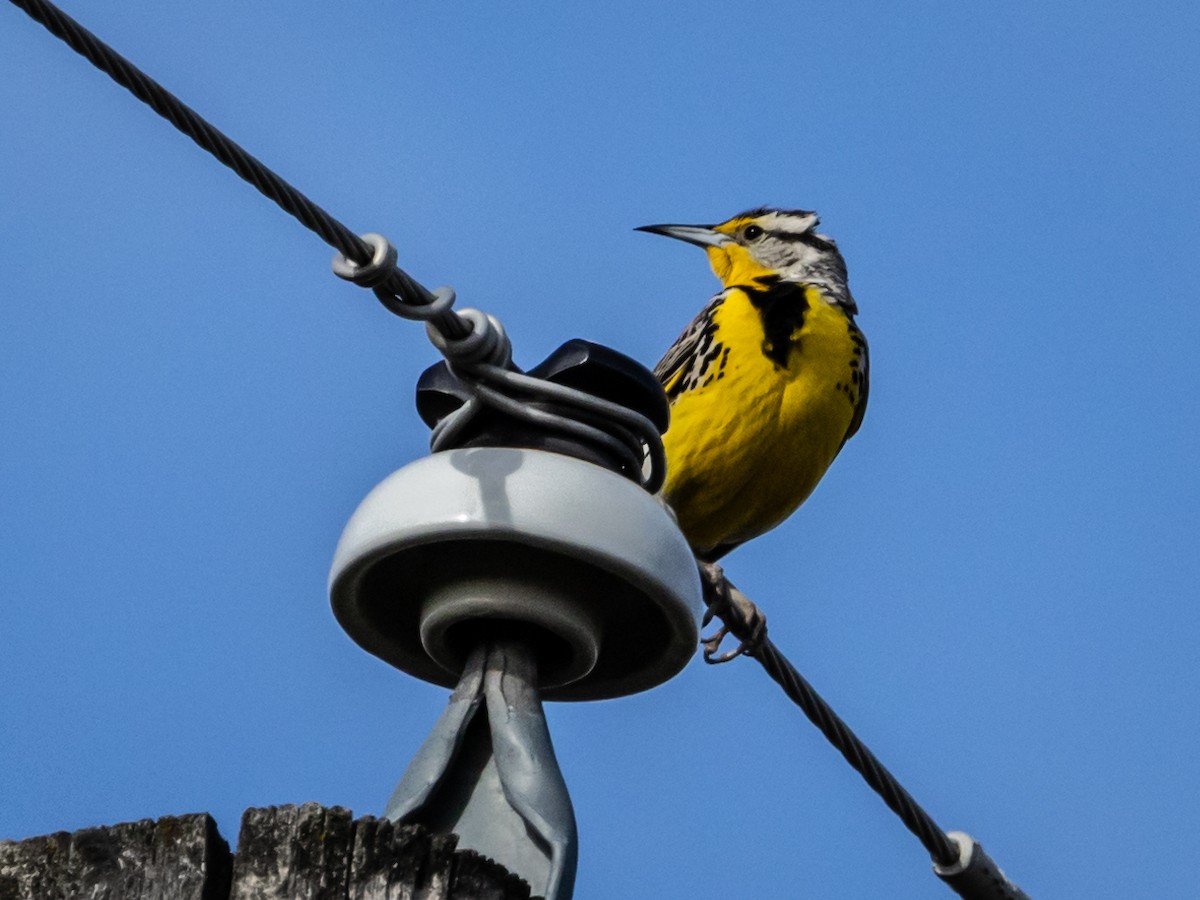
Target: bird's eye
{"points": [[752, 232]]}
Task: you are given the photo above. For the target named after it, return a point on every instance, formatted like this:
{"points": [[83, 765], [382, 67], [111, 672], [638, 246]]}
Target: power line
{"points": [[473, 342], [479, 351], [958, 859], [405, 290]]}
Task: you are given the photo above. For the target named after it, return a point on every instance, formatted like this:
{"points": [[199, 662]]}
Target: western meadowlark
{"points": [[766, 384]]}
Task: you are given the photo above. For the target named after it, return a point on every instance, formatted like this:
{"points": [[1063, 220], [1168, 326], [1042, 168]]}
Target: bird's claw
{"points": [[712, 644], [739, 614]]}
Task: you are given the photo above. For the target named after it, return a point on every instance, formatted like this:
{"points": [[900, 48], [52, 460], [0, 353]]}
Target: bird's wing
{"points": [[864, 380], [681, 356]]}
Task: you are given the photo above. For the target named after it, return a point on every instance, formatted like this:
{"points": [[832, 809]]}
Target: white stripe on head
{"points": [[796, 221]]}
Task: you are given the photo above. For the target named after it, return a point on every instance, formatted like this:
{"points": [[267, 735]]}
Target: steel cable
{"points": [[964, 866], [209, 138], [473, 342], [403, 295], [941, 849]]}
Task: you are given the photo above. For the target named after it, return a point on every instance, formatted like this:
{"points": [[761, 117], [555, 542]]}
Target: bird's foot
{"points": [[740, 616]]}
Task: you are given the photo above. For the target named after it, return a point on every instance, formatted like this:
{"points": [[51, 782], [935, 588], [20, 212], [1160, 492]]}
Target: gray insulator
{"points": [[512, 574], [466, 545]]}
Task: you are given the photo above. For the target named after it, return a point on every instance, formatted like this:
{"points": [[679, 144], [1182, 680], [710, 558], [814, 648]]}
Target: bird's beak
{"points": [[700, 235]]}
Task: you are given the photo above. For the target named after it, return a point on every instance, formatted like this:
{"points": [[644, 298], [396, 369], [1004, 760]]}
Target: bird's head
{"points": [[765, 241]]}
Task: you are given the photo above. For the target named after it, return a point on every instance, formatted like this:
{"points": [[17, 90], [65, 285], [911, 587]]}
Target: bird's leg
{"points": [[738, 613]]}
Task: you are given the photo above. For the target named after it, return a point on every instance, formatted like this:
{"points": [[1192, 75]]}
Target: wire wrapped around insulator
{"points": [[632, 428], [397, 290], [481, 356], [552, 421], [487, 344]]}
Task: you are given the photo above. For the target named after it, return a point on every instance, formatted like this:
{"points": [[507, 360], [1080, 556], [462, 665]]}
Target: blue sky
{"points": [[995, 584]]}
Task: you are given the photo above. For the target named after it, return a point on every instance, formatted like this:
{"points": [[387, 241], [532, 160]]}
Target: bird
{"points": [[765, 385]]}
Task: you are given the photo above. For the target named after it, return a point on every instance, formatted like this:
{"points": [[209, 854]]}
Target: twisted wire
{"points": [[474, 343], [410, 292], [629, 434], [980, 878], [404, 296], [940, 847], [208, 138]]}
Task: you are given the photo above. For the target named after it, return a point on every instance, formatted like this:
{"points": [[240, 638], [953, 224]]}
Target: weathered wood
{"points": [[399, 862], [307, 852], [317, 853], [293, 851], [175, 857]]}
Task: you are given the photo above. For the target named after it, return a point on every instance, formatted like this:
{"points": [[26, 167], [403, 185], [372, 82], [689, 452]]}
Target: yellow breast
{"points": [[750, 441]]}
